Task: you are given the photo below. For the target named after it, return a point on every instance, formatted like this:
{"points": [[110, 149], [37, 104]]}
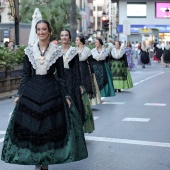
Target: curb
{"points": [[7, 95]]}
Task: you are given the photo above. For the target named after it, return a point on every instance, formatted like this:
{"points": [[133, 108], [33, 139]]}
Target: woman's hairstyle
{"points": [[119, 43], [100, 41], [129, 45], [67, 31], [46, 22], [81, 37]]}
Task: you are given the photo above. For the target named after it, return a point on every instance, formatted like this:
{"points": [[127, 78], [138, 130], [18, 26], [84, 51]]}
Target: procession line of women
{"points": [[159, 53], [53, 107]]}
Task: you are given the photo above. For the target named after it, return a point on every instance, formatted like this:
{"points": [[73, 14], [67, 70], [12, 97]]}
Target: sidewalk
{"points": [[7, 95]]}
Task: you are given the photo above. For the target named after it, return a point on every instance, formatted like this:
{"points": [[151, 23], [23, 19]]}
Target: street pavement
{"points": [[132, 128]]}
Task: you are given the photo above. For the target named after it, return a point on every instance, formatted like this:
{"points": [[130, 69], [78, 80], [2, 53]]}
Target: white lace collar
{"points": [[86, 52], [159, 46], [119, 54], [167, 47], [144, 48], [70, 54], [52, 54], [99, 55]]}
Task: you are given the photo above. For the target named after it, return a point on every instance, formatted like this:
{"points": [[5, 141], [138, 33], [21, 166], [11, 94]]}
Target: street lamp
{"points": [[14, 6]]}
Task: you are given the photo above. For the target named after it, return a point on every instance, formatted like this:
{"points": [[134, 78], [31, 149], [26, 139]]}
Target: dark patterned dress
{"points": [[102, 73], [159, 53], [129, 54], [120, 72], [166, 56], [144, 56], [73, 78], [42, 129], [88, 76]]}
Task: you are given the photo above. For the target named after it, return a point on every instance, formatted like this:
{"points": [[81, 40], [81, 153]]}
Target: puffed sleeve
{"points": [[61, 76], [27, 72]]}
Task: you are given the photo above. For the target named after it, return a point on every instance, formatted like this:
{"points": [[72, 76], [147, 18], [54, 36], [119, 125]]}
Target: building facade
{"points": [[86, 22], [5, 11], [143, 14]]}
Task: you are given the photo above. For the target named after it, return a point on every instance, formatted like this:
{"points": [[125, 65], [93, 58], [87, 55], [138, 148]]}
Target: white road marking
{"points": [[95, 118], [136, 119], [136, 84], [102, 98], [155, 104], [141, 81], [127, 141], [113, 103], [1, 140], [2, 132]]}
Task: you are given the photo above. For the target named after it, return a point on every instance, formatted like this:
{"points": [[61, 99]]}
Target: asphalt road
{"points": [[132, 128]]}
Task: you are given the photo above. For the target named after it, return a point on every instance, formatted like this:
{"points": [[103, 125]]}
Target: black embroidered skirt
{"points": [[41, 105], [42, 129], [74, 91], [166, 56], [100, 73]]}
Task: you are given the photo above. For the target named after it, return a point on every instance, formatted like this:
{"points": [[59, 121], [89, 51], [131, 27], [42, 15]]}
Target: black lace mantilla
{"points": [[87, 79]]}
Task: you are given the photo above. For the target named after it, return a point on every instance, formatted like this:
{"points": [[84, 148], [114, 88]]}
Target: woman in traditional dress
{"points": [[73, 78], [87, 72], [159, 52], [102, 70], [144, 55], [45, 127], [119, 68], [166, 55], [72, 71], [151, 50], [129, 54]]}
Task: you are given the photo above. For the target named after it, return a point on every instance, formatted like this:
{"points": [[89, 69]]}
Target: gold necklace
{"points": [[42, 53]]}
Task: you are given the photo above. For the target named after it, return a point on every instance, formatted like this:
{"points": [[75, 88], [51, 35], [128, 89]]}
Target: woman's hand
{"points": [[16, 100], [81, 89], [68, 102]]}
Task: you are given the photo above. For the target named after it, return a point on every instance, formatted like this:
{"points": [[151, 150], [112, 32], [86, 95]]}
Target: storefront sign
{"points": [[136, 28], [162, 10]]}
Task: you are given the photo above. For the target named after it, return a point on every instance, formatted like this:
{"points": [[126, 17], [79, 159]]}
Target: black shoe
{"points": [[119, 90]]}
